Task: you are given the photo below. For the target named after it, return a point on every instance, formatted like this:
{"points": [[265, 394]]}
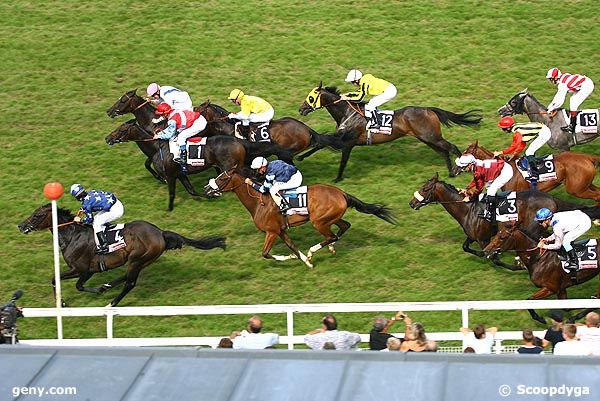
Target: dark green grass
{"points": [[65, 62]]}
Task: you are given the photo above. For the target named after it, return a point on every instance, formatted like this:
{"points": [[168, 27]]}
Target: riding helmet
{"points": [[543, 214], [506, 122], [77, 190]]}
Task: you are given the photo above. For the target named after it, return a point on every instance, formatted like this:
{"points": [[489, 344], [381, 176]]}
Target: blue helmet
{"points": [[543, 214], [77, 189]]}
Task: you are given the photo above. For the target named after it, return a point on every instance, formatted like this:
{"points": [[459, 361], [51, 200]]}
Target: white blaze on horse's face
{"points": [[213, 184], [314, 99], [418, 196]]}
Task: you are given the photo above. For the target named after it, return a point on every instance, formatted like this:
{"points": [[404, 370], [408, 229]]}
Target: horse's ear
{"points": [[207, 101], [476, 143], [524, 91], [436, 176], [135, 91], [320, 85]]}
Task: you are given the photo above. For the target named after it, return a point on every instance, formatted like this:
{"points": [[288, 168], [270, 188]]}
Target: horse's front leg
{"points": [[63, 276], [185, 181], [542, 293], [83, 277], [148, 165], [309, 152], [345, 156]]}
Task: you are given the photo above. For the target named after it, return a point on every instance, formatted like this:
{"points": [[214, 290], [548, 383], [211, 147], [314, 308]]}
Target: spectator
{"points": [[392, 344], [379, 333], [529, 346], [554, 333], [571, 345], [431, 346], [225, 343], [343, 340], [329, 345], [252, 338], [480, 339], [469, 350], [414, 337], [589, 334]]}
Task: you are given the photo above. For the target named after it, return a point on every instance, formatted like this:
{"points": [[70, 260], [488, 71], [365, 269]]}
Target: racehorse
{"points": [[575, 170], [544, 268], [326, 207], [525, 103], [286, 132], [223, 152], [424, 123], [477, 229], [145, 244]]}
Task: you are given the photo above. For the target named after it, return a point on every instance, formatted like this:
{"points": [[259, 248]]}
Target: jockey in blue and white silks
{"points": [[99, 208], [279, 176]]}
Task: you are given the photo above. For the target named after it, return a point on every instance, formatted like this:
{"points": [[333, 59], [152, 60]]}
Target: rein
{"points": [[142, 105], [66, 224]]}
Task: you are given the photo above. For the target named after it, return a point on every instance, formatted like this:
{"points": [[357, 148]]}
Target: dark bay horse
{"points": [[424, 123], [544, 268], [525, 103], [224, 152], [286, 132], [326, 207], [477, 229], [576, 171], [145, 244]]}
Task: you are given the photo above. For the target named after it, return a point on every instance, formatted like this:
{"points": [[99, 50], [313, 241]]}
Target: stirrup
{"points": [[567, 128], [102, 250]]}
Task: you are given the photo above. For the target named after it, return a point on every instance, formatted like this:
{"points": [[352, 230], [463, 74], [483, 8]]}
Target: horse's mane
{"points": [[220, 109], [332, 89], [449, 186], [62, 212]]}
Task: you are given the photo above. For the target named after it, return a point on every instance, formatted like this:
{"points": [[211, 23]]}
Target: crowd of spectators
{"points": [[559, 338]]}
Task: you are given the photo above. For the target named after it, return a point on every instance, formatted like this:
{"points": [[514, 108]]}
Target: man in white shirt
{"points": [[252, 338], [343, 340], [480, 338], [571, 345], [589, 334]]}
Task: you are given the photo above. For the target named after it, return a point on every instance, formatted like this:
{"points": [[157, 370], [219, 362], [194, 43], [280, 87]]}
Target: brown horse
{"points": [[286, 132], [326, 207], [145, 244], [575, 170], [424, 123], [477, 229], [544, 268]]}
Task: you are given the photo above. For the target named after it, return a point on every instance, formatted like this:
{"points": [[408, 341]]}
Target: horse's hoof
{"points": [[596, 222], [109, 305], [63, 303]]}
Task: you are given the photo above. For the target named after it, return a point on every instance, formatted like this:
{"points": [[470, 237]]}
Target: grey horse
{"points": [[525, 103]]}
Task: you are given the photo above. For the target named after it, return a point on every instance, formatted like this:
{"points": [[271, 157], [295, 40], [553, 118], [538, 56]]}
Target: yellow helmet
{"points": [[236, 94]]}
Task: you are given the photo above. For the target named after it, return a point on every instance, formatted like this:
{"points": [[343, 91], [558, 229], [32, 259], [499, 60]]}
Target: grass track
{"points": [[65, 62]]}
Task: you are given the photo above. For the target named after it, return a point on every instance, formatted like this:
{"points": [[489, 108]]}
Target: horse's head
{"points": [[516, 105], [41, 219], [503, 241], [312, 101], [226, 181], [128, 131], [426, 194], [125, 104]]}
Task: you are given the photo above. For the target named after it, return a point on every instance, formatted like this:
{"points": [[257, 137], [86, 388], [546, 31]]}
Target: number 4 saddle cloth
{"points": [[114, 235], [298, 200]]}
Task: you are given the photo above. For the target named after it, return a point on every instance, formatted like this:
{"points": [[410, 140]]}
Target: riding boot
{"points": [[102, 248], [573, 265], [490, 209], [374, 122], [572, 124], [245, 131], [532, 170], [284, 206], [182, 158]]}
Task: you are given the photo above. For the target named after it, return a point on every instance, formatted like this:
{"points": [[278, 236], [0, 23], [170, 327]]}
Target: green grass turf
{"points": [[65, 62]]}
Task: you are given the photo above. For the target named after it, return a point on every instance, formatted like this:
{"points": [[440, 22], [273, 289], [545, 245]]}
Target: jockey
{"points": [[493, 174], [582, 87], [107, 208], [523, 133], [566, 227], [253, 110], [382, 90], [176, 98], [278, 176], [181, 123]]}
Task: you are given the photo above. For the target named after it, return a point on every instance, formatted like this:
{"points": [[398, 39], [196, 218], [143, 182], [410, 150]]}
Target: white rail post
{"points": [[109, 324], [465, 322], [290, 328]]}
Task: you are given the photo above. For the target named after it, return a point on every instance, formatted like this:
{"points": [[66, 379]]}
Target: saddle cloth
{"points": [[506, 209], [386, 117], [587, 120], [297, 198], [260, 133], [545, 166], [114, 236], [587, 254], [195, 150]]}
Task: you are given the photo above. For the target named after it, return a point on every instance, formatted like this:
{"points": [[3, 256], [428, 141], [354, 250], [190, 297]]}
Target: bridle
{"points": [[127, 99], [516, 110], [428, 198], [217, 190]]}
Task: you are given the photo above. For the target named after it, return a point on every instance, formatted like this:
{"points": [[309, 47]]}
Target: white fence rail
{"points": [[289, 310]]}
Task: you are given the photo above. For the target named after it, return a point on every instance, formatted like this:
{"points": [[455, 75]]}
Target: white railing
{"points": [[289, 309]]}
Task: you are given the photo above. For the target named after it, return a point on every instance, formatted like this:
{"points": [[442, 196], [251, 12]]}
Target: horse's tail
{"points": [[325, 141], [266, 149], [448, 118], [563, 205], [176, 241], [376, 209], [592, 211]]}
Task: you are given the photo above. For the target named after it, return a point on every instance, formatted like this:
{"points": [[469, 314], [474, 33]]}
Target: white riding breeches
{"points": [[378, 100], [577, 98], [263, 117], [104, 217], [195, 128], [539, 141], [578, 231], [505, 175], [294, 182]]}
